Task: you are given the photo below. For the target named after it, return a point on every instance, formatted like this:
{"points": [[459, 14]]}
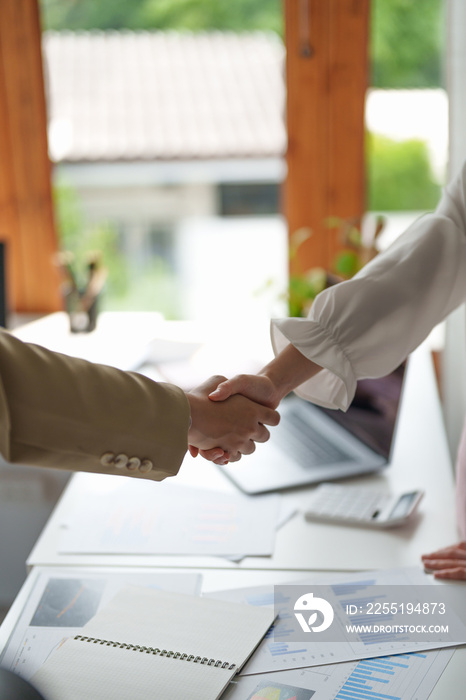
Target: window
{"points": [[249, 199]]}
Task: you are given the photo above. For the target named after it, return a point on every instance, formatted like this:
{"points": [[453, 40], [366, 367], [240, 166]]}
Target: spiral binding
{"points": [[217, 663]]}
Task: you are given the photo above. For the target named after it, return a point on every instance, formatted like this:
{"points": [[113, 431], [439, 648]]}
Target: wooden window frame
{"points": [[327, 76], [26, 211]]}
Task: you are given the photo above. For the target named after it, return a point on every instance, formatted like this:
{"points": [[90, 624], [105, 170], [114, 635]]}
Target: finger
{"points": [[213, 454], [261, 434], [441, 554], [210, 384], [268, 416], [226, 389], [193, 451], [222, 461], [438, 564], [460, 546], [448, 553], [248, 447], [458, 574], [235, 457]]}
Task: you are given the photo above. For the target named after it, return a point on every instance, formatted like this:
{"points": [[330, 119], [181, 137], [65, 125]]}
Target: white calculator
{"points": [[364, 506]]}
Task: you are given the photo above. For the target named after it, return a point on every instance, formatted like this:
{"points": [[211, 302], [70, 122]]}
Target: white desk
{"points": [[121, 339], [421, 459]]}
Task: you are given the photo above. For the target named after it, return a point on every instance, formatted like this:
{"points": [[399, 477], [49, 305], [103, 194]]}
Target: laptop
{"points": [[313, 444]]}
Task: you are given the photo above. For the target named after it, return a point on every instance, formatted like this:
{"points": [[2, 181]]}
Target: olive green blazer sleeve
{"points": [[64, 412]]}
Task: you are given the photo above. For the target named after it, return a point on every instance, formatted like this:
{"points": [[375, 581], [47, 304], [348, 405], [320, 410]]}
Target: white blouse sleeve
{"points": [[366, 326]]}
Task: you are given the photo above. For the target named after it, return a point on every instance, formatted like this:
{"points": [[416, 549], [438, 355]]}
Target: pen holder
{"points": [[81, 312]]}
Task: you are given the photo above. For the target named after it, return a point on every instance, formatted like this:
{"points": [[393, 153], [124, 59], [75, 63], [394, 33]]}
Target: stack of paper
{"points": [[140, 517]]}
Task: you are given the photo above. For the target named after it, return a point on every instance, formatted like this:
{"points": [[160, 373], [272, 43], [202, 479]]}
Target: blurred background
{"points": [[167, 133]]}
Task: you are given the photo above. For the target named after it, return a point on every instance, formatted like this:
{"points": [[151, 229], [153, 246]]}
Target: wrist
{"points": [[288, 370], [279, 385]]}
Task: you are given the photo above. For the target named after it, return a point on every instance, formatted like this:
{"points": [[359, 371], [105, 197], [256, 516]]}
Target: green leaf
{"points": [[347, 263]]}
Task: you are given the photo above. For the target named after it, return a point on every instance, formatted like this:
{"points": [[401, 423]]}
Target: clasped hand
{"points": [[255, 394], [224, 431]]}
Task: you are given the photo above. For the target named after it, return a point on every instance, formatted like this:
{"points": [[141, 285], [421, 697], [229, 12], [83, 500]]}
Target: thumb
{"points": [[222, 392]]}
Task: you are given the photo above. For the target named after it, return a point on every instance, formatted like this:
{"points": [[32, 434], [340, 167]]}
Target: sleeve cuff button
{"points": [[146, 466], [133, 464], [121, 461], [107, 459]]}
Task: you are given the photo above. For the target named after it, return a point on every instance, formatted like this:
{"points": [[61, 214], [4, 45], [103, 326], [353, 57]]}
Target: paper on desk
{"points": [[405, 677], [277, 652], [141, 517], [286, 512], [63, 600]]}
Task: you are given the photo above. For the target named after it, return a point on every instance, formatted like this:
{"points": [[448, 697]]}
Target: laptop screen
{"points": [[373, 411]]}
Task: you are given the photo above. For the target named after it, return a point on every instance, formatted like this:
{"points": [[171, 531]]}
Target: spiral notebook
{"points": [[151, 643]]}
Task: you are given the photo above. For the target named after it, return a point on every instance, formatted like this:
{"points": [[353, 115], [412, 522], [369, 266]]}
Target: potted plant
{"points": [[357, 249]]}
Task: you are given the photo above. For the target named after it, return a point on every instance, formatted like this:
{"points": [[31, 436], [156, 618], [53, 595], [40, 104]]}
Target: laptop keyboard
{"points": [[308, 447]]}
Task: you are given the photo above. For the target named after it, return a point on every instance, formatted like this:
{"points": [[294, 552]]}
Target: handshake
{"points": [[228, 416]]}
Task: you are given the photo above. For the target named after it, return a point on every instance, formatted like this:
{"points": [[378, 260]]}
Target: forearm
{"points": [[62, 412], [364, 327], [288, 370], [367, 326]]}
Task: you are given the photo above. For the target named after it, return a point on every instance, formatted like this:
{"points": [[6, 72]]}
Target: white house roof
{"points": [[126, 96]]}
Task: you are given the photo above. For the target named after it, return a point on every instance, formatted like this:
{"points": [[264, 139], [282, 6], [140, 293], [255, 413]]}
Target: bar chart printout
{"points": [[401, 677], [384, 678], [285, 648]]}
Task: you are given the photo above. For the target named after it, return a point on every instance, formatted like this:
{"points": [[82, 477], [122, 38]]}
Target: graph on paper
{"points": [[279, 651], [169, 520], [68, 602], [401, 677], [389, 678], [60, 604]]}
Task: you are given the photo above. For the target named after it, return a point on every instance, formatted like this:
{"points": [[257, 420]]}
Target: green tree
{"points": [[194, 15], [407, 38], [399, 175]]}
